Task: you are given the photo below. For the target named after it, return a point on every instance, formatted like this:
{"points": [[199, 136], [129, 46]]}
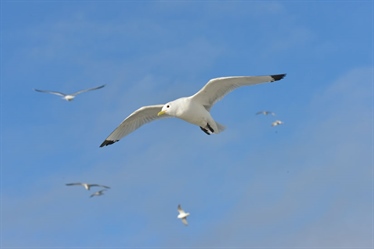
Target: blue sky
{"points": [[305, 184]]}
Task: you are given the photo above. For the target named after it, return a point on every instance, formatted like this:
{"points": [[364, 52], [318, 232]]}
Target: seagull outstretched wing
{"points": [[184, 220], [180, 210], [217, 88], [73, 184], [86, 90], [98, 185], [136, 119], [51, 92]]}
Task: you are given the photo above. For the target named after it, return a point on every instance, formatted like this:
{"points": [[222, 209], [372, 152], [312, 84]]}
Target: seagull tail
{"points": [[220, 128]]}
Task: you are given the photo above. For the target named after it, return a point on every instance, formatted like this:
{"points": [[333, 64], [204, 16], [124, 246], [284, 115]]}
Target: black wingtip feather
{"points": [[278, 76], [108, 142]]}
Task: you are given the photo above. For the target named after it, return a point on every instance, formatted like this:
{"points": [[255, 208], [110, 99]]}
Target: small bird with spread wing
{"points": [[276, 122], [182, 215], [98, 193], [86, 185], [69, 97], [265, 113]]}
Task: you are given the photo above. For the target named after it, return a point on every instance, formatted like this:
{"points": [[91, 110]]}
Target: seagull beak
{"points": [[161, 113]]}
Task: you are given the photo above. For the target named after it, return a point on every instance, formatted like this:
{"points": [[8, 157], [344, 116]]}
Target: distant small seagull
{"points": [[86, 185], [277, 122], [69, 97], [182, 215], [266, 113], [194, 109], [98, 193]]}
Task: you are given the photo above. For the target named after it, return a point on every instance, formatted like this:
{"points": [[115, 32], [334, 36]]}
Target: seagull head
{"points": [[167, 109]]}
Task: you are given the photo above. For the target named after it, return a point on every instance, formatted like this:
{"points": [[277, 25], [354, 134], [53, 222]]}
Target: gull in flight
{"points": [[266, 113], [69, 97], [194, 109], [277, 122], [182, 215], [98, 193], [86, 185]]}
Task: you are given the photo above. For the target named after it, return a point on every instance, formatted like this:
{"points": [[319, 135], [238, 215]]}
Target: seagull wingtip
{"points": [[278, 76], [108, 142]]}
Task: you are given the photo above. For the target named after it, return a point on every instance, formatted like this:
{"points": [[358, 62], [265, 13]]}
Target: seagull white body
{"points": [[277, 122], [194, 109], [69, 97], [87, 186], [192, 112], [266, 113], [182, 215], [98, 193]]}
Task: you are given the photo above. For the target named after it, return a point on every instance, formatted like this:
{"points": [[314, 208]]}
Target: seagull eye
{"points": [[167, 106]]}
